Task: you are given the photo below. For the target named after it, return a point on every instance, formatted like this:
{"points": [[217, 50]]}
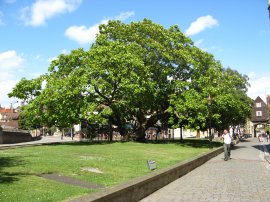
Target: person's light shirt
{"points": [[227, 138]]}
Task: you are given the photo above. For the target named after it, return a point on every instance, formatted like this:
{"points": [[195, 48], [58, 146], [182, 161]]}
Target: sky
{"points": [[34, 32]]}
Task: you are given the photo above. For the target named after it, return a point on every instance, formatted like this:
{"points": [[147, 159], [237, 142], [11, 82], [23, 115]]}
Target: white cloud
{"points": [[86, 35], [198, 43], [6, 87], [124, 16], [252, 75], [42, 10], [82, 34], [260, 86], [10, 59], [10, 62], [52, 59], [200, 24], [64, 51]]}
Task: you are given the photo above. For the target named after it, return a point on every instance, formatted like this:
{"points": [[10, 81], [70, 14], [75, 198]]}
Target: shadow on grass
{"points": [[197, 143], [9, 177], [83, 143]]}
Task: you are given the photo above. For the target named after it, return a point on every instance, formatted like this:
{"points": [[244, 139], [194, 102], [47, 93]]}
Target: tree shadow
{"points": [[9, 177], [261, 147], [235, 147], [84, 143], [197, 143]]}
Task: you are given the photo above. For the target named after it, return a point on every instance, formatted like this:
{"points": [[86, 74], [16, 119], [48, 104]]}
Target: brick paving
{"points": [[245, 178]]}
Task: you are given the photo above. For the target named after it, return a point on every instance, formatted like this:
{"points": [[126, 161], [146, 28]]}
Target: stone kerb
{"points": [[139, 188]]}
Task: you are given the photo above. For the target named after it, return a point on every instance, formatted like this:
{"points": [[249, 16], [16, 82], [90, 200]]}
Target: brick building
{"points": [[9, 118], [260, 115]]}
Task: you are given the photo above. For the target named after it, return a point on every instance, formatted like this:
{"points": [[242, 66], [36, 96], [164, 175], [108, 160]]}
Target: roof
{"points": [[7, 110], [10, 124], [9, 114]]}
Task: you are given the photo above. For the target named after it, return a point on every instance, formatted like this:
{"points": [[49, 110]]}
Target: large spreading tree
{"points": [[135, 75]]}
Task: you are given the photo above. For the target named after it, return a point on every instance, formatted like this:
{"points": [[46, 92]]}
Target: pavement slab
{"points": [[244, 178]]}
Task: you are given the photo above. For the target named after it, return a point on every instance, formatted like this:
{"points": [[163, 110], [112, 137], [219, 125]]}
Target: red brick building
{"points": [[9, 118]]}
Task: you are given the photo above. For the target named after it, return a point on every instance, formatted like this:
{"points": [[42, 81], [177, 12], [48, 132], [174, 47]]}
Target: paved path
{"points": [[245, 178], [44, 140]]}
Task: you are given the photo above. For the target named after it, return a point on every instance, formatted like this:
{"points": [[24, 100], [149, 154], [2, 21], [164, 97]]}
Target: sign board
{"points": [[151, 164]]}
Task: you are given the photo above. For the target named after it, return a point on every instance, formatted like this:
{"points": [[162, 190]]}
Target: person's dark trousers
{"points": [[227, 151]]}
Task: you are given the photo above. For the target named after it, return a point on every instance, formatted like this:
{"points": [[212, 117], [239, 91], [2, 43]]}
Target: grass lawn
{"points": [[117, 162]]}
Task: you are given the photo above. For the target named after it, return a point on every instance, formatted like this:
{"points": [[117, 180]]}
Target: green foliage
{"points": [[134, 71], [212, 95], [27, 90]]}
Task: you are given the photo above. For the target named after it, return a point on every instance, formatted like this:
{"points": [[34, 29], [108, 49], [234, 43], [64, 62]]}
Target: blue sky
{"points": [[33, 32]]}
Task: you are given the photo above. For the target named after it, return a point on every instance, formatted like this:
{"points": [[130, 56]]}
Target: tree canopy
{"points": [[136, 74]]}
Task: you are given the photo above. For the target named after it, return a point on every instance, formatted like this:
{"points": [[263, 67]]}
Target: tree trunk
{"points": [[110, 133], [122, 130], [140, 134], [198, 134], [181, 134]]}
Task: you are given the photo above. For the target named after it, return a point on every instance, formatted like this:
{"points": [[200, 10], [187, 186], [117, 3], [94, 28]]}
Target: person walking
{"points": [[227, 139]]}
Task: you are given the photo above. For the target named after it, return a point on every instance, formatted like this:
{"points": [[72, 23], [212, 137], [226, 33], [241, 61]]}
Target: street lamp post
{"points": [[269, 7], [209, 99]]}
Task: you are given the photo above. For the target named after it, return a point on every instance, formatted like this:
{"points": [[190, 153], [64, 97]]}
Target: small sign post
{"points": [[151, 164]]}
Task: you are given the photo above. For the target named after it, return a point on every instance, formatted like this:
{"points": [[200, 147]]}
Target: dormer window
{"points": [[258, 104]]}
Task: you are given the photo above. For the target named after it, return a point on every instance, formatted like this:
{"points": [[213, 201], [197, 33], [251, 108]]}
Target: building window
{"points": [[258, 104], [258, 113]]}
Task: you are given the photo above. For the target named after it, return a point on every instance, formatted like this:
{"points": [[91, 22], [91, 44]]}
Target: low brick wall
{"points": [[9, 137], [139, 188]]}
